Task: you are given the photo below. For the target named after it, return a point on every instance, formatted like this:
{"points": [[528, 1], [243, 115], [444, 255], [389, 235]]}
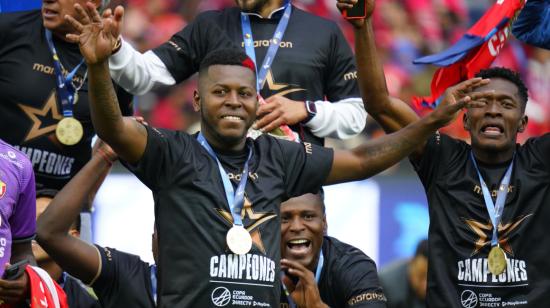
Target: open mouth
{"points": [[492, 129], [232, 118], [299, 246], [48, 13]]}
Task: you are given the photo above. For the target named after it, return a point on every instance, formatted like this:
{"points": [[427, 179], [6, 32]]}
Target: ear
{"points": [[522, 124], [465, 122], [74, 232], [196, 101]]}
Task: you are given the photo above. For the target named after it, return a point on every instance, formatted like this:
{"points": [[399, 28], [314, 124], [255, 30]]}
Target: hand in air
{"points": [[305, 292], [348, 4]]}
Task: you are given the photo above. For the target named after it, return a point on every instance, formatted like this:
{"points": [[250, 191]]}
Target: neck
{"points": [[52, 268], [219, 144], [496, 157], [313, 266], [269, 7]]}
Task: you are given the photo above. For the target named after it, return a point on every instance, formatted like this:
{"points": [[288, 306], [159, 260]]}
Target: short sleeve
{"points": [[306, 166], [341, 80], [183, 53], [164, 152], [357, 278], [23, 220], [114, 265]]}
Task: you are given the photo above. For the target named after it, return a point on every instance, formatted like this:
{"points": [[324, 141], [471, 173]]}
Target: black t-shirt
{"points": [[348, 278], [196, 269], [77, 295], [306, 66], [460, 228], [124, 280], [29, 111]]}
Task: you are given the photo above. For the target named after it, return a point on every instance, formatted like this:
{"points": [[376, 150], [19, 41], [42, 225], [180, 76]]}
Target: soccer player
{"points": [[329, 273], [310, 83], [404, 281], [220, 244], [33, 106], [77, 295], [487, 200], [17, 219], [118, 279]]}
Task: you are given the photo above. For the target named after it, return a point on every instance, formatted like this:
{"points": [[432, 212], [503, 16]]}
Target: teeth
{"points": [[298, 242], [232, 118]]}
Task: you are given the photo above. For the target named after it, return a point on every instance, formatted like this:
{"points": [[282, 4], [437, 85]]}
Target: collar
{"points": [[271, 15]]}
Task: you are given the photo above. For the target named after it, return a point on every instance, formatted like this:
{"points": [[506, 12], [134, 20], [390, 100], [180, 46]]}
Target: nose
{"points": [[233, 100], [296, 225], [493, 109]]}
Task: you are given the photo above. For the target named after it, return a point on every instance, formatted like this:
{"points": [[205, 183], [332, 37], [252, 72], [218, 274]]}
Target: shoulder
{"points": [[15, 157], [217, 15], [23, 18], [346, 258], [312, 19]]}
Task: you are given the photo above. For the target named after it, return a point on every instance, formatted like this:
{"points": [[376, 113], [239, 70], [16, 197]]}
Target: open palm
{"points": [[93, 35]]}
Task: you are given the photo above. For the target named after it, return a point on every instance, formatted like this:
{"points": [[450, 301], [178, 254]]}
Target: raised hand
{"points": [[454, 99], [305, 292], [94, 36], [348, 4]]}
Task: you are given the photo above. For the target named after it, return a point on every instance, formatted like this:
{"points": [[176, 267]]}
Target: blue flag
{"points": [[19, 5]]}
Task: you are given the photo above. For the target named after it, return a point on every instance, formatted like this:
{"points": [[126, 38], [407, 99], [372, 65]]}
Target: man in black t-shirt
{"points": [[30, 107], [190, 176], [311, 84], [321, 271], [460, 272], [118, 279]]}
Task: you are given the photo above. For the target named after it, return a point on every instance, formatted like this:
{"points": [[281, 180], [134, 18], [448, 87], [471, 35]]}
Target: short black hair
{"points": [[422, 248], [227, 56], [508, 74]]}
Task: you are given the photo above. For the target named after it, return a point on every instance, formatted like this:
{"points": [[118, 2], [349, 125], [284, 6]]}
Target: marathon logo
{"points": [[46, 69], [367, 297], [12, 158], [477, 270], [248, 266], [267, 43], [49, 163]]}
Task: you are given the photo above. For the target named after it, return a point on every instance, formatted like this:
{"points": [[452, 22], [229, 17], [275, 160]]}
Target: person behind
{"points": [[17, 219], [329, 273], [117, 278], [77, 295], [33, 106], [219, 244], [409, 292], [310, 83], [487, 200]]}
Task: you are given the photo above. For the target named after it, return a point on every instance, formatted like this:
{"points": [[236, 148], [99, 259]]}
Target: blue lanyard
{"points": [[273, 47], [154, 282], [65, 89], [235, 200], [318, 271], [495, 209]]}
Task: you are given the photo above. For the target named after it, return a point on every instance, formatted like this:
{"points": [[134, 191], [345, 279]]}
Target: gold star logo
{"points": [[38, 115], [279, 88], [484, 231], [257, 219]]}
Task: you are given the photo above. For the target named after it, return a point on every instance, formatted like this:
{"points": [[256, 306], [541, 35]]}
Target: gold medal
{"points": [[239, 240], [69, 131], [497, 261]]}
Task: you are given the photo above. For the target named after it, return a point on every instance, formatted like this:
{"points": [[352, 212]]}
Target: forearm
{"points": [[343, 119], [138, 73]]}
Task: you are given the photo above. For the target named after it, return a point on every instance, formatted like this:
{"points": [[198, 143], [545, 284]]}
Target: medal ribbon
{"points": [[154, 282], [318, 271], [65, 89], [273, 47], [495, 209], [235, 199]]}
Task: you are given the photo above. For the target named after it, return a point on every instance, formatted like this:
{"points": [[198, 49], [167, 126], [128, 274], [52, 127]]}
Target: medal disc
{"points": [[239, 240], [69, 131], [497, 261]]}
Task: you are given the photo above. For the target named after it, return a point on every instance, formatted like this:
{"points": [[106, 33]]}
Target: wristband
{"points": [[311, 111]]}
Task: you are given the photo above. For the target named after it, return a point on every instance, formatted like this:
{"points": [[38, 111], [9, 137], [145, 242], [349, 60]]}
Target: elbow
{"points": [[44, 235]]}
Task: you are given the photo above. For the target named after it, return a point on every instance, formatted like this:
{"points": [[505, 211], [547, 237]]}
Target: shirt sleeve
{"points": [[342, 119], [23, 220], [533, 24], [359, 282], [540, 147], [183, 53], [164, 151], [306, 166], [341, 80]]}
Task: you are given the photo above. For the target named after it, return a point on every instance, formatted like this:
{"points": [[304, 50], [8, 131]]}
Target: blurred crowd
{"points": [[405, 30]]}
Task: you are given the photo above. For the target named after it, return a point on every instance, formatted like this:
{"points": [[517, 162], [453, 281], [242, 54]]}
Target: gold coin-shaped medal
{"points": [[497, 261], [69, 131]]}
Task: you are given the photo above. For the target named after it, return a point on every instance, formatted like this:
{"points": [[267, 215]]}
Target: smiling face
{"points": [[54, 11], [303, 225], [227, 102], [496, 118]]}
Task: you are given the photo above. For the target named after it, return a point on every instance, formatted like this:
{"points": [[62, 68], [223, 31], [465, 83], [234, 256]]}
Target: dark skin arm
{"points": [[305, 293], [75, 256], [126, 136], [14, 291]]}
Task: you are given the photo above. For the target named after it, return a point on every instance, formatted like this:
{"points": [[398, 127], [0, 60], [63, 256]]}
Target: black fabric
{"points": [[348, 278], [395, 282], [124, 280], [460, 228], [192, 216], [306, 67], [29, 111], [77, 295]]}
